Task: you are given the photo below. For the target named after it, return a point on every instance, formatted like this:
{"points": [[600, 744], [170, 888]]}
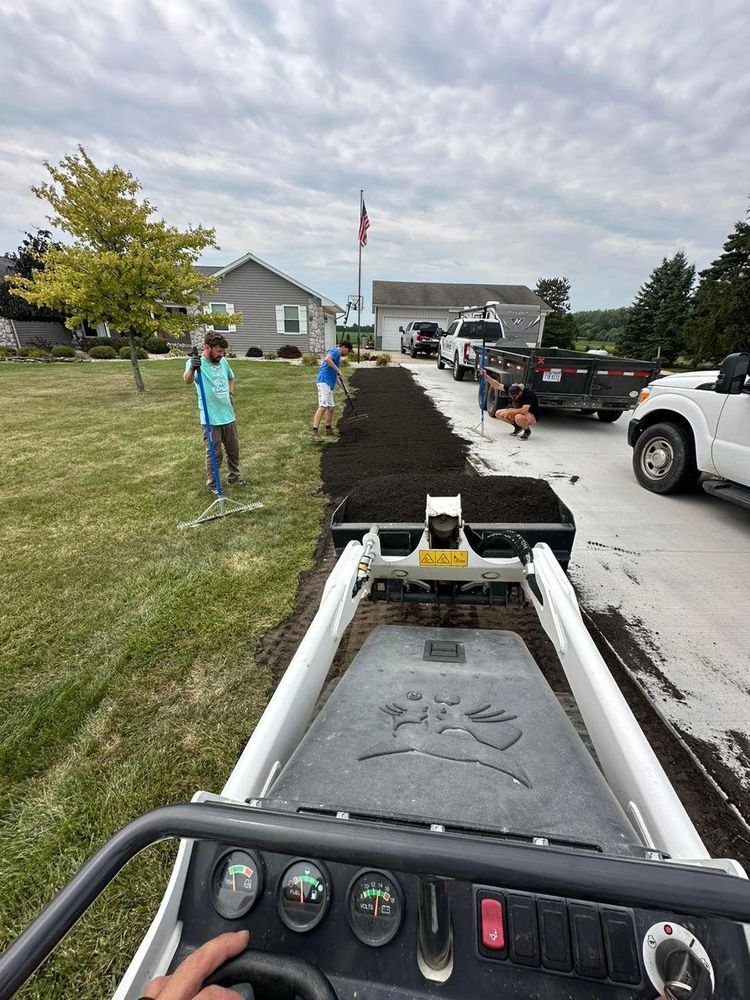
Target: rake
{"points": [[222, 506], [350, 403], [479, 428]]}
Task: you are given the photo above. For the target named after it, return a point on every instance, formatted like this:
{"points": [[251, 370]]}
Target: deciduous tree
{"points": [[124, 267]]}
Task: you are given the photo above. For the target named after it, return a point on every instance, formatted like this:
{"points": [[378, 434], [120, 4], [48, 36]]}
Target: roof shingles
{"points": [[436, 295]]}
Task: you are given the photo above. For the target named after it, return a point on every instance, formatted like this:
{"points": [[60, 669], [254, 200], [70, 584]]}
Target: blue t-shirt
{"points": [[327, 374], [216, 386]]}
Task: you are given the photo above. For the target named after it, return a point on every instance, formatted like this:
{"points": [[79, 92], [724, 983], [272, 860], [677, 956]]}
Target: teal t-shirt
{"points": [[216, 385]]}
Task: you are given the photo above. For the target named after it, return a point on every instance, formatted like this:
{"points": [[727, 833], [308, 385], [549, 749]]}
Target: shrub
{"points": [[289, 351], [366, 356], [253, 352], [63, 351], [231, 354], [7, 352], [344, 362], [124, 353], [270, 356], [42, 344], [117, 342], [383, 359], [155, 345], [23, 352], [176, 352], [103, 353], [36, 352], [310, 360]]}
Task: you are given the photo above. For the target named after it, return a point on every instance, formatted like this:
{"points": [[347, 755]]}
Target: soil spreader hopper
{"points": [[435, 826]]}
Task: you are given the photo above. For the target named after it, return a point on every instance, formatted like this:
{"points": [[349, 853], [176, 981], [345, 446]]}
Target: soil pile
{"points": [[405, 449], [509, 499]]}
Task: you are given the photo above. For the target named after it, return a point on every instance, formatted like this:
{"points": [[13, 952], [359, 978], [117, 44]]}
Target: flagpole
{"points": [[359, 273]]}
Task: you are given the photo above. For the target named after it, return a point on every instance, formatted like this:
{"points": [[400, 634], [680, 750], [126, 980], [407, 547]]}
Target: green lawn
{"points": [[126, 674]]}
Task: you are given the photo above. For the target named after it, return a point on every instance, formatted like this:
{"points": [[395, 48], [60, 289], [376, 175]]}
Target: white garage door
{"points": [[391, 333]]}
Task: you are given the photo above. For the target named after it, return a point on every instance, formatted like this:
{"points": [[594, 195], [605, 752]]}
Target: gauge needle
{"points": [[376, 904], [301, 892], [234, 882]]}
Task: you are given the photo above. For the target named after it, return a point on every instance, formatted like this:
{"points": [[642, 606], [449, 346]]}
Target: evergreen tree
{"points": [[560, 328], [656, 323], [720, 321], [28, 258]]}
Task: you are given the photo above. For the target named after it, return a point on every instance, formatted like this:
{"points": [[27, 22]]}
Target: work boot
{"points": [[329, 431], [239, 481], [316, 436], [515, 430], [526, 434]]}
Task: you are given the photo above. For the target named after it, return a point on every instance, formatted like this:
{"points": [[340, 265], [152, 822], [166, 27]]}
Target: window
{"points": [[219, 309], [291, 320], [176, 309]]}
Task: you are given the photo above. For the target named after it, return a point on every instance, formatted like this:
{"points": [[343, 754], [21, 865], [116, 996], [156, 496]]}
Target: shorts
{"points": [[325, 395]]}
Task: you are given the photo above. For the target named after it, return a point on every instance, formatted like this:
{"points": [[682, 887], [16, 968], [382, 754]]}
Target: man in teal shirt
{"points": [[218, 384]]}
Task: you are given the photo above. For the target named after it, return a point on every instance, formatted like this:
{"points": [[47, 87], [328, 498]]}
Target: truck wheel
{"points": [[413, 351], [491, 399], [664, 459], [458, 370], [440, 362], [608, 416]]}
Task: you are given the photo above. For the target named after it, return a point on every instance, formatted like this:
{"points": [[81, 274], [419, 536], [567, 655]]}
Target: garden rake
{"points": [[479, 428], [350, 404], [222, 506]]}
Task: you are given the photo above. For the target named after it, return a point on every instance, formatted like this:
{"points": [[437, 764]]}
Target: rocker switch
{"points": [[493, 934]]}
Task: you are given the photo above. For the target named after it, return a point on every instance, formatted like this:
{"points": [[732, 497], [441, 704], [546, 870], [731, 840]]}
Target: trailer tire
{"points": [[458, 369], [664, 459], [440, 362], [491, 399], [608, 416]]}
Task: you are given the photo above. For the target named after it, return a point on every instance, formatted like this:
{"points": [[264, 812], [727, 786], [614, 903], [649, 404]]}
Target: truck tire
{"points": [[440, 362], [491, 399], [608, 416], [458, 369], [664, 459], [413, 351]]}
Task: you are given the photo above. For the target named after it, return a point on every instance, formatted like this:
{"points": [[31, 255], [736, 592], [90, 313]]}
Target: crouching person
{"points": [[523, 411]]}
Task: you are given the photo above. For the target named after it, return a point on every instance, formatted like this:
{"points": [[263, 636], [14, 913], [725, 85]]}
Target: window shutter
{"points": [[280, 319], [230, 309], [303, 319]]}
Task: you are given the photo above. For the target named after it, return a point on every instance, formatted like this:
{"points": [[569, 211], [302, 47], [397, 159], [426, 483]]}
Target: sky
{"points": [[496, 140]]}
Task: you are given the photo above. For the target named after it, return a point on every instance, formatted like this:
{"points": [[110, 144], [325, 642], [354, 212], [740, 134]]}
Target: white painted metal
{"points": [[283, 723], [731, 447]]}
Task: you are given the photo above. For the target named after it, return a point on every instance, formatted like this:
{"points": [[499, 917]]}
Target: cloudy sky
{"points": [[496, 140]]}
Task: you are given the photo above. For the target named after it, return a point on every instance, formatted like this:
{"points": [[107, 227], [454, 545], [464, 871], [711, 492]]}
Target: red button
{"points": [[493, 935]]}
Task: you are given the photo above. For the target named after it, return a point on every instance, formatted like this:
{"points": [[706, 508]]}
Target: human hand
{"points": [[195, 362], [186, 982]]}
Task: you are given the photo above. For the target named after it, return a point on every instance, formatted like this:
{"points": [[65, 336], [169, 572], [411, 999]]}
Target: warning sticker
{"points": [[442, 557]]}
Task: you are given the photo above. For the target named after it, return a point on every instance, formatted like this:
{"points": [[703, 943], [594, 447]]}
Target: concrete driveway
{"points": [[676, 569]]}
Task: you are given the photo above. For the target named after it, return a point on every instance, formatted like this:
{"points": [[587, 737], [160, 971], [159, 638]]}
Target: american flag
{"points": [[364, 225]]}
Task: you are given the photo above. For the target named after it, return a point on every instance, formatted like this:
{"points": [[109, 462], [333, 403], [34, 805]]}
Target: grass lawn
{"points": [[126, 670]]}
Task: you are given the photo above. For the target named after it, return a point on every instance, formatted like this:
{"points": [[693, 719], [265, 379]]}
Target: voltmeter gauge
{"points": [[304, 895], [236, 883], [375, 907]]}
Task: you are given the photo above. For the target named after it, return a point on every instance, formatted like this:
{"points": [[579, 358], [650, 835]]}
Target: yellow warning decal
{"points": [[442, 557]]}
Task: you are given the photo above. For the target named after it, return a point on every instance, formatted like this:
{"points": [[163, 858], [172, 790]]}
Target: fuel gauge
{"points": [[304, 895]]}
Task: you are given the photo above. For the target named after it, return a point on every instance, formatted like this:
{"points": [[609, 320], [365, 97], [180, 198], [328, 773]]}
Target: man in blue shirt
{"points": [[326, 383], [218, 384]]}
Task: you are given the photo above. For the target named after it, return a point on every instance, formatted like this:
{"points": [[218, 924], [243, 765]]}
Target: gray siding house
{"points": [[396, 303], [276, 309], [21, 333]]}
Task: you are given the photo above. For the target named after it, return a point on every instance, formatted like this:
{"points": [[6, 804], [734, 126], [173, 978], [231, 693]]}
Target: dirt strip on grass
{"points": [[404, 438]]}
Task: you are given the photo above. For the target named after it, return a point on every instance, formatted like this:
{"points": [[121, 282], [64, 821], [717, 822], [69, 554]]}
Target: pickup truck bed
{"points": [[568, 379]]}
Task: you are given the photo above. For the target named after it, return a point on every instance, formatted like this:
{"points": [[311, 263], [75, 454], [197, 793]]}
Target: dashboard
{"points": [[361, 927]]}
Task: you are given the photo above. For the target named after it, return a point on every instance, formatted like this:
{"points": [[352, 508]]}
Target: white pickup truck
{"points": [[456, 347], [693, 424]]}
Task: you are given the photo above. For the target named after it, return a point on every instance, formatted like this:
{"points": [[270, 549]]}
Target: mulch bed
{"points": [[405, 449]]}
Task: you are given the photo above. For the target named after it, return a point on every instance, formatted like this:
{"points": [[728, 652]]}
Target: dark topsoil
{"points": [[364, 462], [406, 449]]}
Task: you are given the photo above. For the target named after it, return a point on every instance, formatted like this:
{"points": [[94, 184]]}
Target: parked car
{"points": [[456, 348], [419, 337], [696, 423]]}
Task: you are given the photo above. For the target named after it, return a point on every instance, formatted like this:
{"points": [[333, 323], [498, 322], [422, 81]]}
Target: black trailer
{"points": [[572, 380]]}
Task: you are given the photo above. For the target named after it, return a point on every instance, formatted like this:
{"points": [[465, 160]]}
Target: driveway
{"points": [[667, 578]]}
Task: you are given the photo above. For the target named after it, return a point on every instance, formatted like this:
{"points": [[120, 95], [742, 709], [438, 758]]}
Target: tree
{"points": [[123, 268], [555, 292], [656, 323], [720, 321], [28, 258], [559, 327]]}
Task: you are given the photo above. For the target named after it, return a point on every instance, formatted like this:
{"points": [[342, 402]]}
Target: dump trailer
{"points": [[571, 380]]}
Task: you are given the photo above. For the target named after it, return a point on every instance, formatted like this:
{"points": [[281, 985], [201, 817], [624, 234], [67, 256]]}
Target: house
{"points": [[276, 309], [396, 303], [21, 333]]}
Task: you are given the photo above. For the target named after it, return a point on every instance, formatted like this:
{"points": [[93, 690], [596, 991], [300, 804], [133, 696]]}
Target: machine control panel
{"points": [[677, 963]]}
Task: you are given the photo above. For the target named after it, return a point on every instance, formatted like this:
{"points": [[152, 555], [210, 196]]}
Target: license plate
{"points": [[552, 376]]}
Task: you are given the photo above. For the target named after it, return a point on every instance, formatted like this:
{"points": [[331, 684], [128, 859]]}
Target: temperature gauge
{"points": [[375, 907], [304, 895], [236, 884]]}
